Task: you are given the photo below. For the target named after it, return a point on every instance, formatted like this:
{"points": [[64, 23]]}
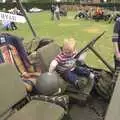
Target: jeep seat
{"points": [[39, 110], [15, 104]]}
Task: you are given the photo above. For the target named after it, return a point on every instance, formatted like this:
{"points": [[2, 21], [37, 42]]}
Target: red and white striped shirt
{"points": [[65, 61]]}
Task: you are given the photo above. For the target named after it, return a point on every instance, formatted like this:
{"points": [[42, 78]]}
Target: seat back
{"points": [[47, 54], [11, 87]]}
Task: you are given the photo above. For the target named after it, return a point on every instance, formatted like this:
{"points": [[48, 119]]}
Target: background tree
{"points": [[40, 1]]}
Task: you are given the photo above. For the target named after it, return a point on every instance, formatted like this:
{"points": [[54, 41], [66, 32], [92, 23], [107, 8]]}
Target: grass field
{"points": [[82, 30]]}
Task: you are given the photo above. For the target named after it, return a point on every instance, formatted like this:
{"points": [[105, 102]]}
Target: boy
{"points": [[65, 64]]}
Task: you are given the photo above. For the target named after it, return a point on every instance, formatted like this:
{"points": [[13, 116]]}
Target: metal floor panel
{"points": [[94, 110]]}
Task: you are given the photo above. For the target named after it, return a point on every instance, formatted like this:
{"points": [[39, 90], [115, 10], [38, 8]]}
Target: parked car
{"points": [[35, 10]]}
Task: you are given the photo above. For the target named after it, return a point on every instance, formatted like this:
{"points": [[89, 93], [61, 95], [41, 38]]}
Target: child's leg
{"points": [[73, 78], [70, 76], [82, 71]]}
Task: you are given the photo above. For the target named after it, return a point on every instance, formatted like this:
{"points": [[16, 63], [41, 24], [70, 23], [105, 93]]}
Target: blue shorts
{"points": [[72, 76]]}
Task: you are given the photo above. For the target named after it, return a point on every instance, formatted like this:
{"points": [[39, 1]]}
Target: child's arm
{"points": [[53, 65], [82, 56]]}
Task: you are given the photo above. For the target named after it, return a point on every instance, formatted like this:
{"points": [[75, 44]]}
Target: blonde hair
{"points": [[69, 44]]}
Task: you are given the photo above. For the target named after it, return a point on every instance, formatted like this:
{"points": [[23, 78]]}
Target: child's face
{"points": [[68, 50], [69, 46]]}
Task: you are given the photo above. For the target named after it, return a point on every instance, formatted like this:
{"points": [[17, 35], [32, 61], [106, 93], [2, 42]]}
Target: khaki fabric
{"points": [[11, 87], [39, 110], [47, 54], [12, 91]]}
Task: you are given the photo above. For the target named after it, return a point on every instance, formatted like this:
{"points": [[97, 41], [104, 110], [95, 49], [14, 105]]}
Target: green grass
{"points": [[82, 30]]}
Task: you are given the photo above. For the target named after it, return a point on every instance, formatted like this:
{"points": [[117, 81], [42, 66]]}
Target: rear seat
{"points": [[15, 104]]}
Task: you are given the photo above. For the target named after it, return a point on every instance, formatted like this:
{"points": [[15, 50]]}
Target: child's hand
{"points": [[26, 75]]}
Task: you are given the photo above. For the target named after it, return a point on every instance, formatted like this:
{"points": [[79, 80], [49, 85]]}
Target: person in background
{"points": [[57, 12], [13, 52], [13, 11], [52, 11], [116, 42], [6, 24]]}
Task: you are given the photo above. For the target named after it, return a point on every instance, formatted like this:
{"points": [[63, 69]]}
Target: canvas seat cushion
{"points": [[39, 110], [47, 54], [12, 89]]}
